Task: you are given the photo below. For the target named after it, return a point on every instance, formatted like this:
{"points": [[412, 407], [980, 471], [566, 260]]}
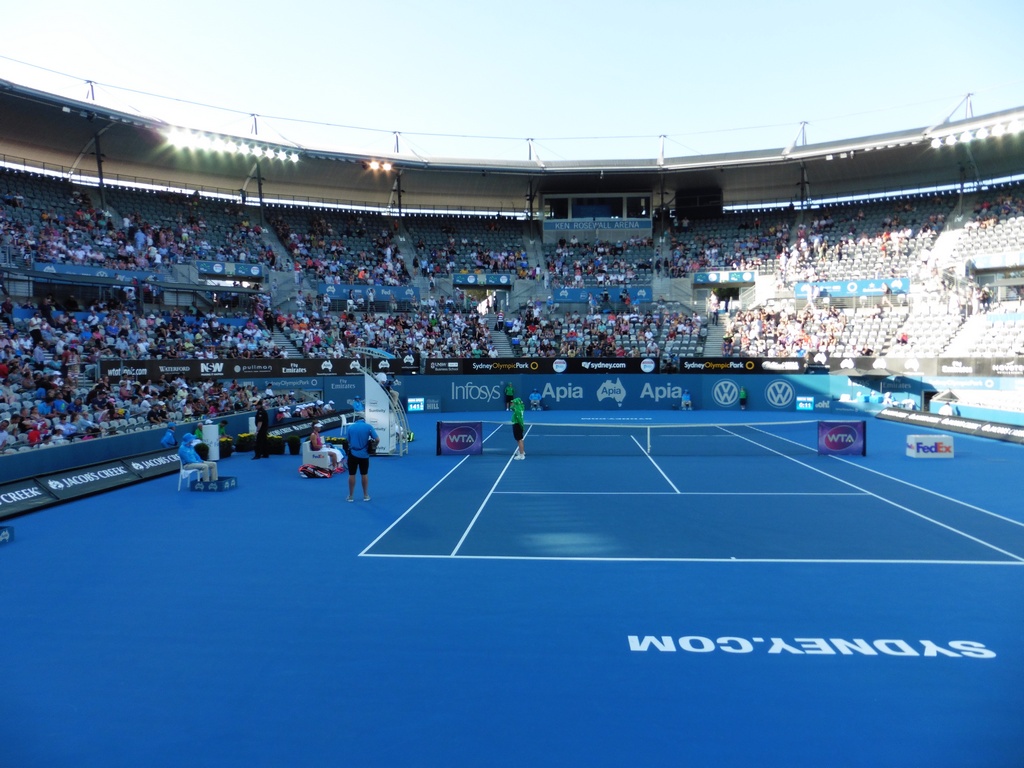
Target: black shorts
{"points": [[517, 432], [358, 464]]}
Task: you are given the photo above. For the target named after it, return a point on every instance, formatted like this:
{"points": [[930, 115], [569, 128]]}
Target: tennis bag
{"points": [[371, 446], [312, 470]]}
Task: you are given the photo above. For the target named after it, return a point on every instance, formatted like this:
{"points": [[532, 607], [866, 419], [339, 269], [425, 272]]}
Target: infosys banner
{"points": [[460, 438], [842, 438]]}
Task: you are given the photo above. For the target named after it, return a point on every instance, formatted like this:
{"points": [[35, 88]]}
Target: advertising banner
{"points": [[343, 292], [1008, 433], [842, 438], [486, 279], [851, 288], [716, 278], [460, 438], [230, 269], [637, 294], [377, 411], [23, 496], [155, 464], [230, 368], [81, 481]]}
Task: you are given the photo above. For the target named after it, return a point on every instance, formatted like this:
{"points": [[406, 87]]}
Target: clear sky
{"points": [[470, 78]]}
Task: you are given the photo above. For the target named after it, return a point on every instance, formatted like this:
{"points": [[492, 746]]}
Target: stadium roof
{"points": [[39, 129]]}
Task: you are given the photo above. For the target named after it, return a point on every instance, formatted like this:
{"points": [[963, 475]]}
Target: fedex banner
{"points": [[842, 438], [460, 438]]}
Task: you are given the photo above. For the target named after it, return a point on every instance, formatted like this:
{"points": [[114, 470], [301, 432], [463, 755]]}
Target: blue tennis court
{"points": [[742, 601]]}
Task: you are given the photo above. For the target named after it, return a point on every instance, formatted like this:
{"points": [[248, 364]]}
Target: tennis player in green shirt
{"points": [[518, 428]]}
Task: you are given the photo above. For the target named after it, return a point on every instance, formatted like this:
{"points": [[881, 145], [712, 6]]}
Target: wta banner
{"points": [[460, 438], [842, 438]]}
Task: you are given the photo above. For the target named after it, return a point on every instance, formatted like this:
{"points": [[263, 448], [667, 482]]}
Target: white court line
{"points": [[676, 493], [765, 560], [883, 499], [414, 505], [655, 464], [420, 499], [480, 509], [909, 484]]}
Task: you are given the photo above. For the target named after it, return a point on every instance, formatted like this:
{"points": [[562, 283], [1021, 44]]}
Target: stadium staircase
{"points": [[502, 344], [713, 342], [285, 344]]}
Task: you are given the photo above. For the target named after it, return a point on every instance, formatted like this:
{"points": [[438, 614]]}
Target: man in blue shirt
{"points": [[191, 460], [536, 400], [359, 434], [169, 440]]}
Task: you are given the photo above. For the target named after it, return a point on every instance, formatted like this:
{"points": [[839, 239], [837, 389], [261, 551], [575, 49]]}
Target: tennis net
{"points": [[787, 438]]}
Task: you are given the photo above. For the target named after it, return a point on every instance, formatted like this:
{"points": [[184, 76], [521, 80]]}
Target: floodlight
{"points": [[374, 165], [936, 143], [981, 133], [385, 166]]}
